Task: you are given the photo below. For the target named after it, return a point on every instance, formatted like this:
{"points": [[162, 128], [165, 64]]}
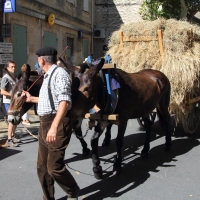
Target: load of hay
{"points": [[180, 61]]}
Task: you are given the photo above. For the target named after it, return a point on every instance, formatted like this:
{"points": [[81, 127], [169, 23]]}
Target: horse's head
{"points": [[17, 106], [86, 86]]}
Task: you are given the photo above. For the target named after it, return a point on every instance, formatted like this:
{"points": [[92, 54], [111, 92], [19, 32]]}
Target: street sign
{"points": [[9, 6], [6, 47], [4, 58]]}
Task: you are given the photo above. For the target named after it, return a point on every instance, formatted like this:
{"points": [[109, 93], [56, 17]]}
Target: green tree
{"points": [[179, 9]]}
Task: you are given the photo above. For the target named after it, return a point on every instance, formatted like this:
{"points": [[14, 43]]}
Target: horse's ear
{"points": [[25, 68], [34, 73], [68, 66], [26, 71], [96, 67]]}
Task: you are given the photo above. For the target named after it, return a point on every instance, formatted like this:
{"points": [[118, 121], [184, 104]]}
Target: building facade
{"points": [[83, 25], [57, 23]]}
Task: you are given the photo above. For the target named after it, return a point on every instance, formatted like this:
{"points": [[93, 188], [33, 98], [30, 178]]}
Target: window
{"points": [[71, 1], [85, 48], [86, 5]]}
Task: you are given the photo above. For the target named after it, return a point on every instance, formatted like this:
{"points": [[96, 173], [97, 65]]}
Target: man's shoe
{"points": [[15, 140], [11, 144], [74, 197]]}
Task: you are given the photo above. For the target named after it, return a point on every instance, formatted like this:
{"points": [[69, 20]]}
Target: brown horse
{"points": [[139, 95]]}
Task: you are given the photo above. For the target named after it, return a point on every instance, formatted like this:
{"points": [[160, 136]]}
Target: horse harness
{"points": [[110, 97], [22, 99], [49, 91]]}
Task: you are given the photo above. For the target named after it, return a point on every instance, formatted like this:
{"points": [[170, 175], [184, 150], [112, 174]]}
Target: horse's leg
{"points": [[119, 143], [97, 169], [35, 108], [106, 140], [78, 132], [146, 148], [164, 118]]}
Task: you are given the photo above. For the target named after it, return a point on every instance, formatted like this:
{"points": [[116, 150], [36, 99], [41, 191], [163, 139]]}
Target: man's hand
{"points": [[26, 96], [51, 135]]}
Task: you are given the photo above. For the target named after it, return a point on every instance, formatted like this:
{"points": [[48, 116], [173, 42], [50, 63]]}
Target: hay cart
{"points": [[192, 118], [191, 101]]}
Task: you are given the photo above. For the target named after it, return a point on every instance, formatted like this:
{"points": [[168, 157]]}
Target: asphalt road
{"points": [[164, 175]]}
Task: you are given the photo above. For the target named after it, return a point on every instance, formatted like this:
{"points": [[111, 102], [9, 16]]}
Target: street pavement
{"points": [[21, 130], [164, 175]]}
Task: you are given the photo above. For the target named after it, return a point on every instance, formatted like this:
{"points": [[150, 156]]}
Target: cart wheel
{"points": [[152, 117], [192, 119]]}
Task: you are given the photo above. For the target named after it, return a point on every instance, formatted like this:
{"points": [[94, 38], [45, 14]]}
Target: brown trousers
{"points": [[50, 164]]}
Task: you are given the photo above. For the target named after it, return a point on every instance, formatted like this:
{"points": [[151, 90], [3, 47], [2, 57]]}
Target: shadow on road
{"points": [[5, 152], [135, 171]]}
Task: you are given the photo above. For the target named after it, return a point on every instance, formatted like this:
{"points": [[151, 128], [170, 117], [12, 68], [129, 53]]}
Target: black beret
{"points": [[46, 51]]}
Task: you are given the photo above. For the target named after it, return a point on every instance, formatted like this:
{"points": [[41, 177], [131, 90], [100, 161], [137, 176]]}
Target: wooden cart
{"points": [[193, 117]]}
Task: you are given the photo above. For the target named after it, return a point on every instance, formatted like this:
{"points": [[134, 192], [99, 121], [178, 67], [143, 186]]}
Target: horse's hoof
{"points": [[144, 155], [117, 169], [105, 143], [98, 176], [97, 172], [86, 152]]}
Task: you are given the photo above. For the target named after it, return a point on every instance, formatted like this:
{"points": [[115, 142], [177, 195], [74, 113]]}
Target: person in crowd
{"points": [[38, 69], [7, 82], [25, 119], [55, 126]]}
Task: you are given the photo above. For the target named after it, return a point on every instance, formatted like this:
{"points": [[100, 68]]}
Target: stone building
{"points": [[57, 23], [109, 16], [82, 25]]}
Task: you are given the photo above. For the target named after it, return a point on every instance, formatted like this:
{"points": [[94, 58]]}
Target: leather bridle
{"points": [[21, 100]]}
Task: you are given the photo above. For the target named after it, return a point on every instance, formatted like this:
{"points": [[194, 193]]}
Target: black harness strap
{"points": [[106, 107], [49, 91]]}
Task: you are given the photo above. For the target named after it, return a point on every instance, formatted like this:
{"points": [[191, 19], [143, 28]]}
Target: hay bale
{"points": [[180, 61]]}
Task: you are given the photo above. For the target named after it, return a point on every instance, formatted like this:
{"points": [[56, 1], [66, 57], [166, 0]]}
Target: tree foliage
{"points": [[179, 9]]}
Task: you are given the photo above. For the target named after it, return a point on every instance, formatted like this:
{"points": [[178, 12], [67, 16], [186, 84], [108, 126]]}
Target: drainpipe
{"points": [[2, 65], [92, 26], [4, 21]]}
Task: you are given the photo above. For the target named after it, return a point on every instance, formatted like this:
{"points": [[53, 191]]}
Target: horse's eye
{"points": [[18, 94], [86, 89]]}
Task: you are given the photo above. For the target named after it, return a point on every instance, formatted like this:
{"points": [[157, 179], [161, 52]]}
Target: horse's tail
{"points": [[163, 108], [160, 117]]}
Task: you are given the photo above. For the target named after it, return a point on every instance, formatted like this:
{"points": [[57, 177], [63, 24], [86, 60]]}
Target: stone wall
{"points": [[110, 15]]}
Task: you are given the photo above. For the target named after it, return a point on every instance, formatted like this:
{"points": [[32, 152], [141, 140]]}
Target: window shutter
{"points": [[86, 5]]}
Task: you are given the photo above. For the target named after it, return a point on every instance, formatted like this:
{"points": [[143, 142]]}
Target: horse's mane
{"points": [[32, 73]]}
